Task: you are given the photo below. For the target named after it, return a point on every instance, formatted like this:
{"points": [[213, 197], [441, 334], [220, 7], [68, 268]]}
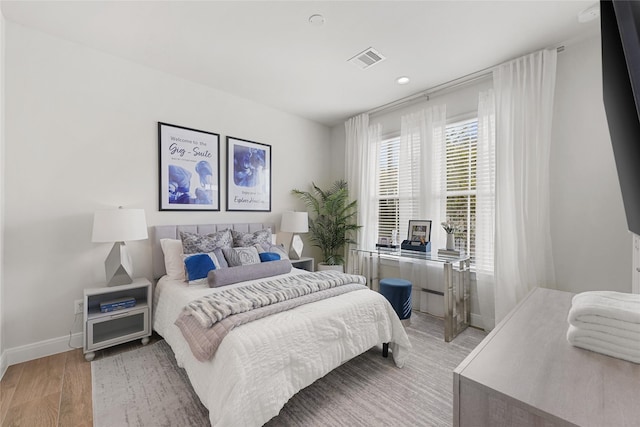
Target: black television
{"points": [[619, 25]]}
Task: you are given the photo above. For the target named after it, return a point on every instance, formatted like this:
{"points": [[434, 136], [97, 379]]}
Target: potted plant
{"points": [[331, 223]]}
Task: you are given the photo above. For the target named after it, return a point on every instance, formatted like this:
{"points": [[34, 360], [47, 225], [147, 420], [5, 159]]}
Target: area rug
{"points": [[144, 387]]}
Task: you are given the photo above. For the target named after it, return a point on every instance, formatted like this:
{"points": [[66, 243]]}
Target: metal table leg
{"points": [[449, 298], [456, 299]]}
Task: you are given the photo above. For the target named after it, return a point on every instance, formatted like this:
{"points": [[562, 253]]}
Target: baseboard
{"points": [[3, 364], [41, 349], [476, 321]]}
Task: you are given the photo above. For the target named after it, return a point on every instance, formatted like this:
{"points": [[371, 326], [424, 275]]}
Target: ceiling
{"points": [[267, 51]]}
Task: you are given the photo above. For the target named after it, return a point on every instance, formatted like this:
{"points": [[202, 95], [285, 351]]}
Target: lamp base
{"points": [[295, 250], [118, 265]]}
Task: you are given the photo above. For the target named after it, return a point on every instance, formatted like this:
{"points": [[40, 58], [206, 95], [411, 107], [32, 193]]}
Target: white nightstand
{"points": [[305, 263], [102, 330]]}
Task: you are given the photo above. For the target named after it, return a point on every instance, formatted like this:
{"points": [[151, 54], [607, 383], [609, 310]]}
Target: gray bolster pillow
{"points": [[241, 273]]}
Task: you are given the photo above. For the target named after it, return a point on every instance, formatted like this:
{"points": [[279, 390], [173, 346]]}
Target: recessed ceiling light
{"points": [[316, 20], [402, 80]]}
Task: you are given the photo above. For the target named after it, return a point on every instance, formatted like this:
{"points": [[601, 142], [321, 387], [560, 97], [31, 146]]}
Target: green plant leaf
{"points": [[332, 221]]}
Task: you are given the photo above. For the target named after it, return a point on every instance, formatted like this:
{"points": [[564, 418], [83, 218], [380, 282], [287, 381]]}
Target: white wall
{"points": [[338, 151], [591, 245], [81, 135], [3, 359]]}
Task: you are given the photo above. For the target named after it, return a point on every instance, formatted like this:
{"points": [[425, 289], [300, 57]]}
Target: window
{"points": [[460, 191], [388, 203], [461, 140]]}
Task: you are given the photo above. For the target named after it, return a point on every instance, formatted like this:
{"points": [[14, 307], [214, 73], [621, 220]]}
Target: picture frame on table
{"points": [[419, 231], [248, 176], [189, 166]]}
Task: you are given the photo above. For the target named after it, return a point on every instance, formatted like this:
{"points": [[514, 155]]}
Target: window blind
{"points": [[388, 182], [461, 140]]}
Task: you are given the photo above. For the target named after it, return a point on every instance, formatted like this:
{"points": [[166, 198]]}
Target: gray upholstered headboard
{"points": [[173, 232]]}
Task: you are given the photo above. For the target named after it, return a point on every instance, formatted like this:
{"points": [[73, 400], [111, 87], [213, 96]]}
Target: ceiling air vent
{"points": [[367, 58]]}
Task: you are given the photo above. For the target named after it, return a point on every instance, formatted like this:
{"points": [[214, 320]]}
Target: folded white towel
{"points": [[585, 339], [590, 310], [605, 337], [629, 331]]}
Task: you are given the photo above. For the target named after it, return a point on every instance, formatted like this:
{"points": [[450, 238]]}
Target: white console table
{"points": [[457, 310], [525, 373]]}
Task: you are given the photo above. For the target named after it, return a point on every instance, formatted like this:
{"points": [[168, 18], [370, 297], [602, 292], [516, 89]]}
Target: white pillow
{"points": [[173, 263]]}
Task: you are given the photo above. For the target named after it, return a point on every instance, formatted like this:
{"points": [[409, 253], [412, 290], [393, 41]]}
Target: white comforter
{"points": [[261, 365]]}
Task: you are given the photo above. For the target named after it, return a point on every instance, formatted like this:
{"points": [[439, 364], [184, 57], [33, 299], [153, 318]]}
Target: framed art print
{"points": [[248, 175], [189, 169], [419, 231]]}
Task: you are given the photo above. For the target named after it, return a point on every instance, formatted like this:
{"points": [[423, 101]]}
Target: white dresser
{"points": [[525, 373]]}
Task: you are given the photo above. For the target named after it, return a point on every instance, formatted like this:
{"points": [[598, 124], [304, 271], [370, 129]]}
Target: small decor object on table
{"points": [[453, 253], [117, 304], [450, 228], [385, 242], [419, 236], [419, 231]]}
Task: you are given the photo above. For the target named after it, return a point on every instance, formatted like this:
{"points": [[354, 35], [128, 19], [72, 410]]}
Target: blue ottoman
{"points": [[398, 293]]}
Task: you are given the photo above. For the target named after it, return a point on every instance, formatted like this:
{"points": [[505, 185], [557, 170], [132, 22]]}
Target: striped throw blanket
{"points": [[215, 307]]}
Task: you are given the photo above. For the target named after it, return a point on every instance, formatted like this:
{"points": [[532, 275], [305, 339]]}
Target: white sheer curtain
{"points": [[485, 207], [422, 165], [362, 146], [524, 90], [421, 162]]}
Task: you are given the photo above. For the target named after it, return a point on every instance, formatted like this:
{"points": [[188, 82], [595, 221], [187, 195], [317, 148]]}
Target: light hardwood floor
{"points": [[52, 391]]}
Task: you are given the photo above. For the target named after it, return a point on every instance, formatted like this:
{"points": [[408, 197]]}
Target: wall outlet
{"points": [[78, 305]]}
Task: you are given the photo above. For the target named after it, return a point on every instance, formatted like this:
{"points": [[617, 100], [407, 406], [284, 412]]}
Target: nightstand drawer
{"points": [[119, 326]]}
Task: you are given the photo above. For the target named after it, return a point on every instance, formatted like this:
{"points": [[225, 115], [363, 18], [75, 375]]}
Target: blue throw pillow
{"points": [[198, 266], [269, 256]]}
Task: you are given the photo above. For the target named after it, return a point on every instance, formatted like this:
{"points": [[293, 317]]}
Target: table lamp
{"points": [[118, 225], [295, 222]]}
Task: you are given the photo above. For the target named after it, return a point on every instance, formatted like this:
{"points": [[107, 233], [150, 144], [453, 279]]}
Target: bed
{"points": [[260, 365]]}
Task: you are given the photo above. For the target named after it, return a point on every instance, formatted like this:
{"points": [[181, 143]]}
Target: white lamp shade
{"points": [[119, 225], [295, 222]]}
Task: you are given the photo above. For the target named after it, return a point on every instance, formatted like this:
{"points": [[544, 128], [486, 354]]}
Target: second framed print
{"points": [[248, 176], [189, 169]]}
